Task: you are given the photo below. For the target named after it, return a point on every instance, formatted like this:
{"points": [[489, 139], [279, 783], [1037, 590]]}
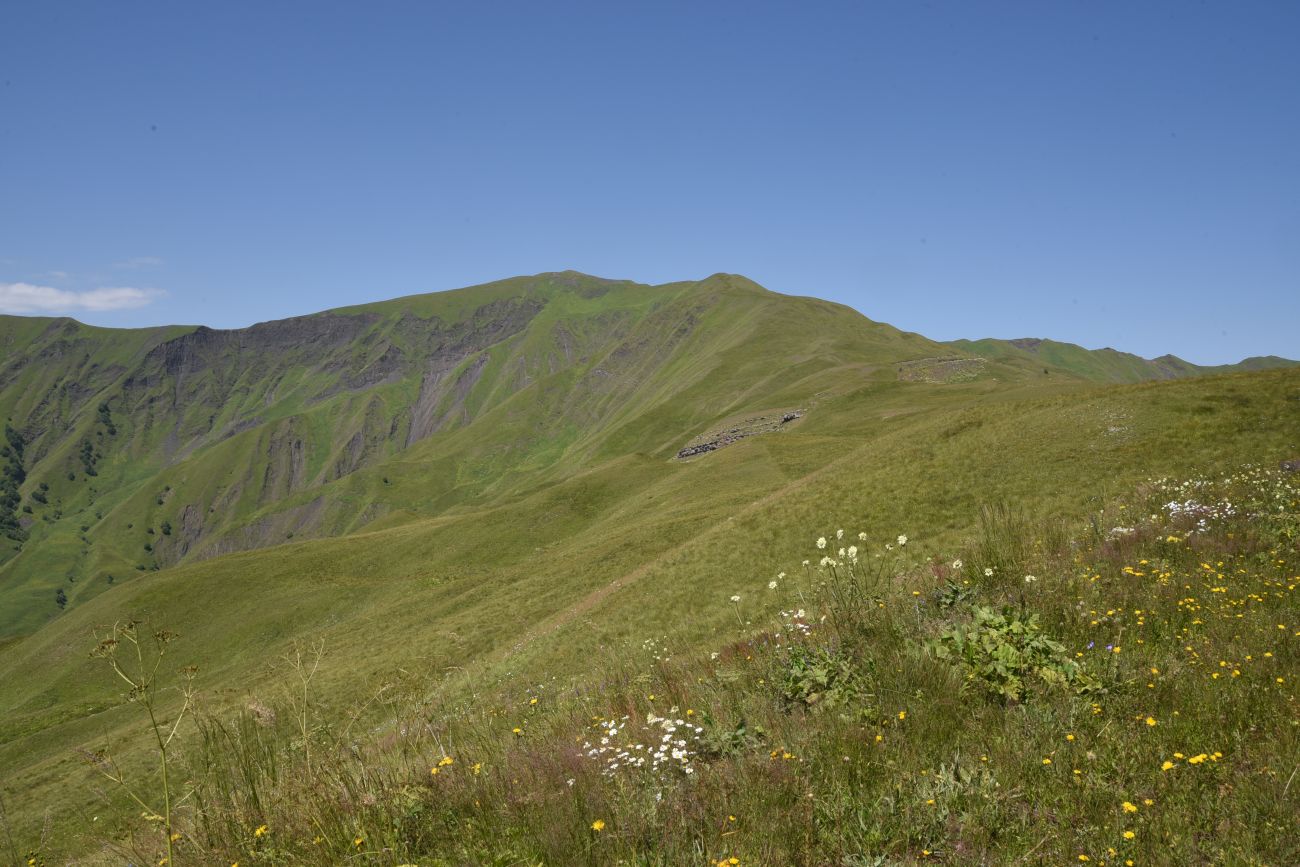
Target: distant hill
{"points": [[1101, 365]]}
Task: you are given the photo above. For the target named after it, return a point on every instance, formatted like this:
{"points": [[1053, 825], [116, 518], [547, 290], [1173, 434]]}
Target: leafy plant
{"points": [[723, 742], [821, 678], [1008, 653], [953, 594]]}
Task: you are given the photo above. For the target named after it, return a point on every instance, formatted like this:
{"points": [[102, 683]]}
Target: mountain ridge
{"points": [[1106, 363], [239, 438]]}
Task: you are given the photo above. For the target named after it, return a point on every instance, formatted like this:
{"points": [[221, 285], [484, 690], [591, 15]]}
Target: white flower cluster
{"points": [[657, 648], [1200, 514], [846, 555], [795, 621], [664, 745]]}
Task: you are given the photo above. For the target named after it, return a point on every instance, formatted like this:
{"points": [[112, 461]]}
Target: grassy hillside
{"points": [[474, 497], [148, 449]]}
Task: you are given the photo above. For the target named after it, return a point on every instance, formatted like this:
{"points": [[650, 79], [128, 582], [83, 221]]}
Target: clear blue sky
{"points": [[1122, 174]]}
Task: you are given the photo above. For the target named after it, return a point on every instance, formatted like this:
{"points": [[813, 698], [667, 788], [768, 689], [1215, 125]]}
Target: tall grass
{"points": [[1154, 720]]}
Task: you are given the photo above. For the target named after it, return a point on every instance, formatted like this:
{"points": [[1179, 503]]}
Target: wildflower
{"points": [[1047, 761], [1084, 858], [1129, 807], [533, 701], [358, 841], [1030, 579], [478, 766], [260, 831], [1129, 835], [517, 731], [902, 714], [1147, 802], [821, 542], [771, 585], [1151, 721], [598, 825], [444, 761], [902, 540], [735, 598], [988, 571], [1196, 760], [1167, 765], [862, 537], [1069, 737]]}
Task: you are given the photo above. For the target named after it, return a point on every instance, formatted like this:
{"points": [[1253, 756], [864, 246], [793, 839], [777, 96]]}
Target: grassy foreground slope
{"points": [[525, 590]]}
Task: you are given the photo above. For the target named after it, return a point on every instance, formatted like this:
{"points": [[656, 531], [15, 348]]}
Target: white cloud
{"points": [[29, 298]]}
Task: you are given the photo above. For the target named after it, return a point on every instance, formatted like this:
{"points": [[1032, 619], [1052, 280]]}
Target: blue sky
{"points": [[1122, 174]]}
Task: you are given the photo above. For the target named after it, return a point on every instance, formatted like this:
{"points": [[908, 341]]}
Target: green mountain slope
{"points": [[484, 487], [146, 449], [1101, 365]]}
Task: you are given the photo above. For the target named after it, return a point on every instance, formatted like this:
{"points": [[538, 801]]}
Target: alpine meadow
{"points": [[886, 451], [568, 570]]}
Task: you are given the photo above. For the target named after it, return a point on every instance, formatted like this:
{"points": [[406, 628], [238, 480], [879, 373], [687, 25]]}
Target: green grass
{"points": [[539, 534], [827, 724]]}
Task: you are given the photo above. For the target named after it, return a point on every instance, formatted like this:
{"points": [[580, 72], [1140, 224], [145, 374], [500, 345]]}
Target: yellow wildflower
{"points": [[598, 825]]}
